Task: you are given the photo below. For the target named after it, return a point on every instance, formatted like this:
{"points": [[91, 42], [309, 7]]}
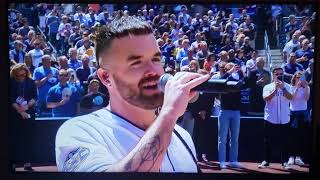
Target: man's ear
{"points": [[104, 77]]}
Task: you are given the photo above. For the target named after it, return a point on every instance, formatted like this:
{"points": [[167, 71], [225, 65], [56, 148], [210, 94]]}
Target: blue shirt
{"points": [[41, 72], [69, 109], [53, 24], [307, 53], [181, 54], [74, 64]]}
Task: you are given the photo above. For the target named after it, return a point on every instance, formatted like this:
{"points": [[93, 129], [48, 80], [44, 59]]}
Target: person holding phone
{"points": [[277, 95], [299, 117]]}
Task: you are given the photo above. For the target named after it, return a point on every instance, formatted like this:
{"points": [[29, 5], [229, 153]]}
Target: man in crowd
{"points": [[291, 67]]}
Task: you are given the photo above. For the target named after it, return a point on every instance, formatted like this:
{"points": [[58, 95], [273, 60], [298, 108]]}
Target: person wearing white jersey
{"points": [[300, 118], [128, 135], [277, 95]]}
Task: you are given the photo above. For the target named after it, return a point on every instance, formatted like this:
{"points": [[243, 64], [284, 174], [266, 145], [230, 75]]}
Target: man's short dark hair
{"points": [[275, 69], [118, 28]]}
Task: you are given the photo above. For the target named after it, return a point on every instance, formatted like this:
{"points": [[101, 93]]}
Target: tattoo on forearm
{"points": [[149, 152]]}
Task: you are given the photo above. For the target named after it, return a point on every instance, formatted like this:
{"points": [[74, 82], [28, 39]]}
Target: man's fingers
{"points": [[195, 82]]}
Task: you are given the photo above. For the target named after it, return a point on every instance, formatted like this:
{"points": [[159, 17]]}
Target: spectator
{"points": [[305, 27], [247, 49], [79, 15], [73, 61], [17, 54], [62, 37], [87, 49], [291, 67], [23, 96], [36, 53], [93, 100], [257, 79], [231, 26], [226, 43], [251, 63], [84, 71], [63, 98], [196, 44], [193, 66], [28, 63], [243, 16], [168, 50], [102, 88], [249, 30], [291, 26], [277, 95], [29, 41], [63, 63], [304, 54], [183, 51], [202, 54], [215, 32], [292, 46], [229, 119], [210, 62], [23, 31], [53, 25], [299, 118], [45, 77]]}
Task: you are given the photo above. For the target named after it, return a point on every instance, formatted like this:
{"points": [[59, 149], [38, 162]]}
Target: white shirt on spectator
{"points": [[298, 103], [251, 65], [288, 48], [277, 109], [36, 55], [94, 142]]}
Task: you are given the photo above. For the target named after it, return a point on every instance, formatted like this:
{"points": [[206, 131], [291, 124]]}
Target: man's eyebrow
{"points": [[135, 57]]}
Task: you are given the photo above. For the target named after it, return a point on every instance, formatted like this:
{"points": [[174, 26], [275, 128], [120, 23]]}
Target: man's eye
{"points": [[135, 63]]}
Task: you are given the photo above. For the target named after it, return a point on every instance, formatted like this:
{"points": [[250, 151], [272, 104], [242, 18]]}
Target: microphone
{"points": [[218, 86]]}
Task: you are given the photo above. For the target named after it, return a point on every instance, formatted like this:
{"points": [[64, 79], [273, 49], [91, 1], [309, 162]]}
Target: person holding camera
{"points": [[277, 95]]}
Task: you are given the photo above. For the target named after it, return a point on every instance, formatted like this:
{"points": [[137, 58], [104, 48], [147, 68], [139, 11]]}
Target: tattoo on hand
{"points": [[149, 152]]}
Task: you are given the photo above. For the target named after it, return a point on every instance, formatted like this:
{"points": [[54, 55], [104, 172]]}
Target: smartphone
{"points": [[302, 78]]}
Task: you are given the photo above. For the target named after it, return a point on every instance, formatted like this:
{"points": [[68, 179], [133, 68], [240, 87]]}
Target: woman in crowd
{"points": [[23, 95], [300, 118]]}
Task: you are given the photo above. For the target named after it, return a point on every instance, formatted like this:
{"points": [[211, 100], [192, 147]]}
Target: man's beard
{"points": [[134, 95]]}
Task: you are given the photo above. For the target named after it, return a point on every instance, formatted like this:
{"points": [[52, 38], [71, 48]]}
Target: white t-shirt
{"points": [[298, 103], [276, 110], [93, 142], [36, 56], [288, 48]]}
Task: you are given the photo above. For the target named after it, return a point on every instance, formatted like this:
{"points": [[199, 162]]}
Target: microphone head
{"points": [[163, 81]]}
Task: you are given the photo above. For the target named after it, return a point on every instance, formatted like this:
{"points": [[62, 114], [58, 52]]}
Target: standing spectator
{"points": [[28, 63], [243, 16], [94, 99], [196, 44], [84, 71], [202, 54], [247, 49], [232, 25], [291, 27], [17, 54], [23, 31], [249, 30], [87, 49], [29, 41], [277, 95], [291, 67], [304, 54], [62, 36], [36, 53], [79, 15], [251, 64], [74, 36], [216, 30], [299, 118], [73, 61], [53, 25], [257, 79], [229, 119], [188, 59], [45, 77], [23, 96], [63, 63], [292, 46], [63, 98]]}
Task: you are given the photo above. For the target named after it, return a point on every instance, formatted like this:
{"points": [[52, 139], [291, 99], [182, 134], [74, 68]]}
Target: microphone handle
{"points": [[220, 86]]}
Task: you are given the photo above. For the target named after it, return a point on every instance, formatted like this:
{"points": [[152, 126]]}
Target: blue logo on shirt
{"points": [[75, 158]]}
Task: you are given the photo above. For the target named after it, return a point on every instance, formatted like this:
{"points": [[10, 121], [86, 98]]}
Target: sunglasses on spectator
{"points": [[65, 75], [278, 74]]}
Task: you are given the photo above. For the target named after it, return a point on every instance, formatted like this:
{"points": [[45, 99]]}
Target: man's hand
{"points": [[24, 115], [178, 92], [64, 101], [279, 84]]}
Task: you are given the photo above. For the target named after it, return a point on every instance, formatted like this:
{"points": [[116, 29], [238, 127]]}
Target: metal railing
{"points": [[54, 51], [267, 50], [280, 29]]}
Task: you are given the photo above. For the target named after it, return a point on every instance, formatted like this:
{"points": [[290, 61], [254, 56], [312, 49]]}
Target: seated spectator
{"points": [[304, 54], [17, 54], [188, 59], [226, 43], [45, 77], [36, 53], [168, 50], [63, 98], [239, 41], [291, 67], [196, 44], [73, 61], [93, 100], [194, 66]]}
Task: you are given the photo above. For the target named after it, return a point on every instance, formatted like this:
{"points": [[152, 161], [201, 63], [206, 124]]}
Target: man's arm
{"points": [[148, 154]]}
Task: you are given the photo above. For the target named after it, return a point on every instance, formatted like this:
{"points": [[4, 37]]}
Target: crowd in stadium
{"points": [[55, 49]]}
